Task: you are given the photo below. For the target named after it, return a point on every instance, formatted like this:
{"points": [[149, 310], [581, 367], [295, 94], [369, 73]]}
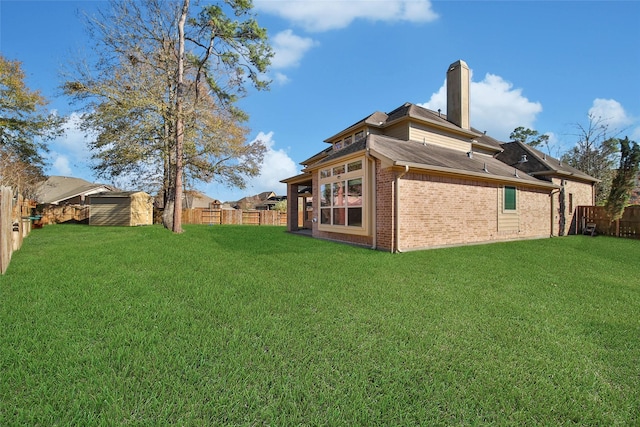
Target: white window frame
{"points": [[326, 176]]}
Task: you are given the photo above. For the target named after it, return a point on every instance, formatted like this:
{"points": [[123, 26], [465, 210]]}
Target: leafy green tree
{"points": [[280, 206], [24, 128], [529, 137], [594, 154], [162, 95], [624, 180]]}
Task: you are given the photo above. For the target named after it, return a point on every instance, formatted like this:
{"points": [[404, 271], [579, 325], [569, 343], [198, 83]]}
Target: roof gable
{"points": [[537, 163]]}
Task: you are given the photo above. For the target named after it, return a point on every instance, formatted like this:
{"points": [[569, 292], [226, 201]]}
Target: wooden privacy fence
{"points": [[627, 226], [233, 216], [80, 214], [15, 224]]}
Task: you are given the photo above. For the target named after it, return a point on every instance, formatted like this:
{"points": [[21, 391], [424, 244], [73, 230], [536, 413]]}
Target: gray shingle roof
{"points": [[57, 189], [445, 159], [538, 163]]}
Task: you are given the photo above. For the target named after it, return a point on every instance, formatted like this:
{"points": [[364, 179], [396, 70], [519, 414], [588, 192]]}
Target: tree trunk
{"points": [[177, 206]]}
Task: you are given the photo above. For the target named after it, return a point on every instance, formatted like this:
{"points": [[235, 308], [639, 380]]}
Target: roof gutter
{"points": [[565, 173], [482, 175]]}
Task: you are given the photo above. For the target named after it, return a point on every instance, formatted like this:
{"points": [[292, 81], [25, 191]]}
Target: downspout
{"points": [[397, 208], [553, 208], [372, 194]]}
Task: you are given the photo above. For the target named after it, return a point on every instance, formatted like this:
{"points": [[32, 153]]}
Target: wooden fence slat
{"points": [[233, 216], [627, 226]]}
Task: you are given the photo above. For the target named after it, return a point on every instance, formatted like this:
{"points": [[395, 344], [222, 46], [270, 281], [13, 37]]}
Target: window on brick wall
{"points": [[570, 203], [341, 195], [510, 198]]}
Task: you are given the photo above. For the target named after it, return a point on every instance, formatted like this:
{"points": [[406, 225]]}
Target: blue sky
{"points": [[545, 65]]}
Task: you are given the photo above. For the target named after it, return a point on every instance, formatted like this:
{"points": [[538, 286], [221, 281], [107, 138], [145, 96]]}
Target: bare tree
{"points": [[162, 94], [594, 154]]}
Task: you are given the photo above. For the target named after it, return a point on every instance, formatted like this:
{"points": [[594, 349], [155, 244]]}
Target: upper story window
{"points": [[345, 142]]}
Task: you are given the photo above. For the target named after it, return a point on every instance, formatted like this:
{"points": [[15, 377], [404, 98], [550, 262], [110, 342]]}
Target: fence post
{"points": [[6, 228]]}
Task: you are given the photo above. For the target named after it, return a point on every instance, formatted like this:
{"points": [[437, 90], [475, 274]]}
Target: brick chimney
{"points": [[458, 81]]}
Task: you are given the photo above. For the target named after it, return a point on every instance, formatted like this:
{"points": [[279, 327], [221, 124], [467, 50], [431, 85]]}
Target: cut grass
{"points": [[243, 325]]}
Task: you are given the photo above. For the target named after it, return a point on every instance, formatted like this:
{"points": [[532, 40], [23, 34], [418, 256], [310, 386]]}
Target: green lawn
{"points": [[241, 325]]}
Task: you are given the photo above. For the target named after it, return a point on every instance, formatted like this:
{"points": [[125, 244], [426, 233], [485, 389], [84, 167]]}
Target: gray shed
{"points": [[123, 208]]}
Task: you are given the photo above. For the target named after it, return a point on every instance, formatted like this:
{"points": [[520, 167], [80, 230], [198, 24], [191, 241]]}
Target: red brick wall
{"points": [[441, 211], [384, 217]]}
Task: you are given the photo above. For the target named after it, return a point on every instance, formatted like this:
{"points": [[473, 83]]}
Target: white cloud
{"points": [[289, 49], [611, 112], [74, 140], [69, 154], [324, 15], [281, 79], [60, 165], [276, 165], [495, 106]]}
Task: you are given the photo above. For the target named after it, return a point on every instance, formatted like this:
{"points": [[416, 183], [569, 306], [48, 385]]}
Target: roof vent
{"points": [[544, 156], [523, 159], [515, 172], [439, 112], [470, 154], [484, 169]]}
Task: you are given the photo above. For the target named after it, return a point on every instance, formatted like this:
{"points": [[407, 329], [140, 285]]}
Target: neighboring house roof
{"points": [[117, 194], [58, 189], [537, 163], [250, 202], [271, 202], [195, 199]]}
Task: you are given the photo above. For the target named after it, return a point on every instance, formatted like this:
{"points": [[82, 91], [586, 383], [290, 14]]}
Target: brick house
{"points": [[415, 178]]}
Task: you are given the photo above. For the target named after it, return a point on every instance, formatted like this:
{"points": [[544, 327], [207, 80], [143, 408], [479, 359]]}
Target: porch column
{"points": [[292, 207]]}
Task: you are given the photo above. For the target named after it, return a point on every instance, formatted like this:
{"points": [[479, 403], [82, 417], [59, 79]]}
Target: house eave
{"points": [[297, 179], [565, 174], [440, 170], [484, 176], [89, 192]]}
